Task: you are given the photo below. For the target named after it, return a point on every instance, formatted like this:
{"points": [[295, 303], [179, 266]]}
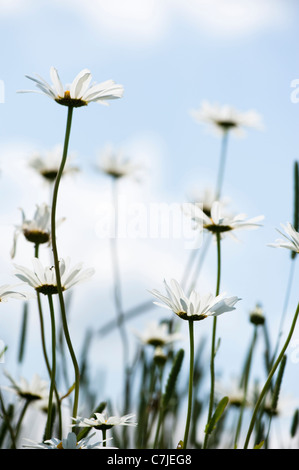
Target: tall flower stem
{"points": [[190, 390], [268, 381], [223, 154], [285, 307], [56, 259], [53, 369], [43, 340], [213, 346]]}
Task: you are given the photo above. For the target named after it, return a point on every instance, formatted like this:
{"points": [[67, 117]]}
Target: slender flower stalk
{"points": [[56, 260], [213, 345], [53, 368], [269, 379], [190, 387]]}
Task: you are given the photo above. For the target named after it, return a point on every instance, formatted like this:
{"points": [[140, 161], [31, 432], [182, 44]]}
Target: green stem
{"points": [[213, 346], [161, 408], [53, 370], [191, 374], [268, 381], [40, 311], [245, 385], [18, 427], [104, 437], [56, 260]]}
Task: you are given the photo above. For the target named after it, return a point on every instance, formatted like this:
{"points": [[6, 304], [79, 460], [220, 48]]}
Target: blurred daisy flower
{"points": [[116, 164], [193, 307], [217, 222], [80, 92], [36, 230], [157, 334], [103, 422], [226, 118], [70, 442], [47, 163], [37, 389], [7, 291], [43, 279], [290, 240]]}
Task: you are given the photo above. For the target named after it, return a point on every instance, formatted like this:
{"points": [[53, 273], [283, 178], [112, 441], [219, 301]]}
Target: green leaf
{"points": [[172, 378], [259, 446], [217, 415], [295, 423]]}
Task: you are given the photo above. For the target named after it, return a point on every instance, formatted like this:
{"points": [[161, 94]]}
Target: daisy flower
{"points": [[103, 422], [36, 230], [70, 442], [156, 334], [217, 222], [116, 164], [6, 292], [47, 163], [290, 241], [43, 279], [193, 307], [80, 93], [226, 118], [37, 389]]}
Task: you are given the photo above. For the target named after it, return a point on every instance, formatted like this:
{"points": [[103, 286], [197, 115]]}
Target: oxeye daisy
{"points": [[290, 240], [37, 389], [226, 118], [36, 230], [157, 334], [103, 422], [43, 279], [80, 93], [70, 442], [47, 163], [7, 291], [217, 223], [116, 164], [194, 306]]}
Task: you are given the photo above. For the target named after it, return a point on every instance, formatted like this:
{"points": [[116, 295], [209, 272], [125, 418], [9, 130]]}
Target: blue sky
{"points": [[169, 58]]}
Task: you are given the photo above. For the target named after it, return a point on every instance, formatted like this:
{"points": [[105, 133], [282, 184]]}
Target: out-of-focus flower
{"points": [[37, 389], [7, 291], [193, 307], [290, 241], [116, 164], [36, 230], [257, 316], [80, 93], [103, 422], [43, 279], [217, 222], [226, 118], [70, 442], [48, 162], [157, 334]]}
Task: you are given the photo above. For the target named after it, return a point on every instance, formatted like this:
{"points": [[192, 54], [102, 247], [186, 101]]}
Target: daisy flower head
{"points": [[37, 389], [80, 93], [193, 307], [157, 334], [115, 163], [217, 222], [36, 230], [47, 163], [43, 279], [223, 119], [290, 240], [103, 422], [7, 291], [70, 442]]}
